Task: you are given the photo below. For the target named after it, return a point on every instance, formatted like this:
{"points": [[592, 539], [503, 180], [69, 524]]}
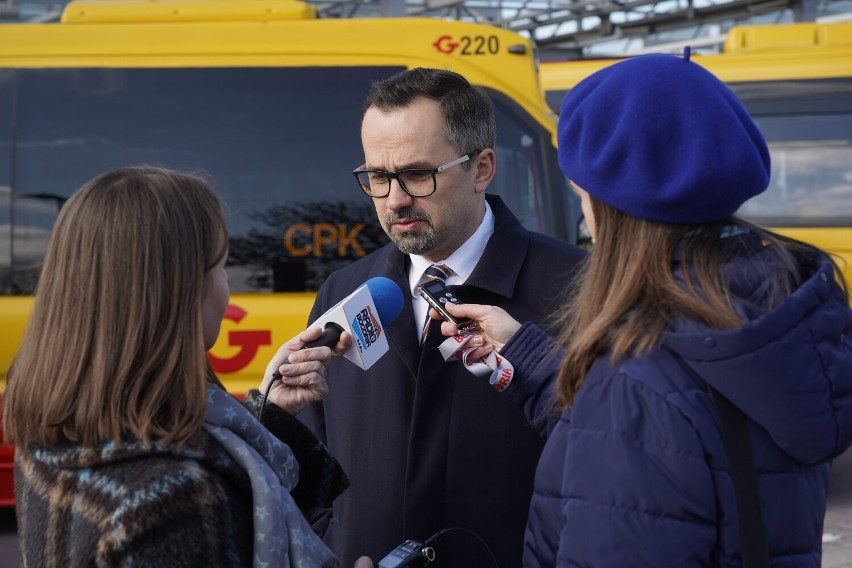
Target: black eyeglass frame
{"points": [[389, 176]]}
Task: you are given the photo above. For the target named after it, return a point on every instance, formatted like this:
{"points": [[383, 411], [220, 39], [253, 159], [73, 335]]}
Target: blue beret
{"points": [[662, 139]]}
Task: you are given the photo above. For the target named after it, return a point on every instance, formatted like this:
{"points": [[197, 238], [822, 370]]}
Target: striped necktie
{"points": [[434, 272]]}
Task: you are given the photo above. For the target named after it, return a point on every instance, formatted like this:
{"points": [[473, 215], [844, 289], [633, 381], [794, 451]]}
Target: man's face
{"points": [[413, 137]]}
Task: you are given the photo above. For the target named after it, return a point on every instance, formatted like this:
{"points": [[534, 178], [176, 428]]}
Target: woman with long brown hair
{"points": [[128, 450], [679, 298]]}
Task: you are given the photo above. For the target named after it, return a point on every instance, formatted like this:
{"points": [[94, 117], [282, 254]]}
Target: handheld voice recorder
{"points": [[408, 554], [437, 295]]}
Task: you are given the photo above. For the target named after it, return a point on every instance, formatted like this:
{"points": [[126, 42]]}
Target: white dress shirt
{"points": [[461, 262]]}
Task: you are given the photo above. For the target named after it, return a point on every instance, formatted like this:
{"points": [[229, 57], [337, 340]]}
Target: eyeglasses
{"points": [[414, 182]]}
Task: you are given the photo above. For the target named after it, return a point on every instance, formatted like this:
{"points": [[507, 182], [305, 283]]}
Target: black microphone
{"points": [[329, 338]]}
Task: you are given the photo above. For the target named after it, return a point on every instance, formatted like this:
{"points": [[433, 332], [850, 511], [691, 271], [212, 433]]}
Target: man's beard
{"points": [[411, 242]]}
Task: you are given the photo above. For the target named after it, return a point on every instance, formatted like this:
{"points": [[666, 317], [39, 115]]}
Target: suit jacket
{"points": [[426, 444]]}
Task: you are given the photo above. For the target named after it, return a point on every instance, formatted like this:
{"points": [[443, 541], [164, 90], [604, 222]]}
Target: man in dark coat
{"points": [[426, 444]]}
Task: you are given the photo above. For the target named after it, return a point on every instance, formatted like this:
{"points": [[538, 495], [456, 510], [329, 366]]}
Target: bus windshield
{"points": [[808, 126], [280, 143]]}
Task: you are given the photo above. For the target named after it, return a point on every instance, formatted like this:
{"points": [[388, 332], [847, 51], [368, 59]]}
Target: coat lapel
{"points": [[401, 336]]}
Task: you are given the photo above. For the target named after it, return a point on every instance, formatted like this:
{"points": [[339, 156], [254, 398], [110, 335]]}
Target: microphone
{"points": [[363, 313]]}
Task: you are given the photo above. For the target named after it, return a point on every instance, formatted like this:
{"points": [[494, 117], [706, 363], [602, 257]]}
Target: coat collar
{"points": [[500, 265]]}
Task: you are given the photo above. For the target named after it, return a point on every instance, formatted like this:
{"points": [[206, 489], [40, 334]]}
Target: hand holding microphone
{"points": [[354, 328], [303, 380]]}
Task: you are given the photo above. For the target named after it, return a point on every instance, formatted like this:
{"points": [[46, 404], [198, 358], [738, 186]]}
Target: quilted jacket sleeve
{"points": [[536, 358]]}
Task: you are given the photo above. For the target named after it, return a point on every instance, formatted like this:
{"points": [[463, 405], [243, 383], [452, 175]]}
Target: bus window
{"points": [[527, 179], [808, 126], [34, 216], [6, 109], [292, 203], [295, 213]]}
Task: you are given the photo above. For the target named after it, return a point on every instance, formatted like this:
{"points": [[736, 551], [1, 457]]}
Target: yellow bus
{"points": [[265, 97], [796, 82]]}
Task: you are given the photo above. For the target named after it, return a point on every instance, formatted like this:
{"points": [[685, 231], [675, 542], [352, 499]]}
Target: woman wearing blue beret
{"points": [[681, 308]]}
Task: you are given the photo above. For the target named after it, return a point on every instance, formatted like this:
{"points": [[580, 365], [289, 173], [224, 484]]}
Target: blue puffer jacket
{"points": [[636, 473]]}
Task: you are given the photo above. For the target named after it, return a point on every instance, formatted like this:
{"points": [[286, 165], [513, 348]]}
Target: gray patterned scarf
{"points": [[282, 536]]}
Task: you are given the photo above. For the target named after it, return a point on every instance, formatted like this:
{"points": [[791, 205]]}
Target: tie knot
{"points": [[438, 272]]}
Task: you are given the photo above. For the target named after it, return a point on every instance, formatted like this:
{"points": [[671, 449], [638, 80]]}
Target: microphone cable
{"points": [[329, 338], [265, 395], [427, 551]]}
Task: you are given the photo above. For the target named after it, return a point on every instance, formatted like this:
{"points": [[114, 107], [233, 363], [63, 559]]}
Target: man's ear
{"points": [[485, 164]]}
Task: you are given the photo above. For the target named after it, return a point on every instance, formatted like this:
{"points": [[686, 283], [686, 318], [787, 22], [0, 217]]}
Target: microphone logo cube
{"points": [[366, 328]]}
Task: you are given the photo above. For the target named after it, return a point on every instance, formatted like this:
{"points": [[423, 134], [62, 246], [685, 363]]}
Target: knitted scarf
{"points": [[282, 535]]}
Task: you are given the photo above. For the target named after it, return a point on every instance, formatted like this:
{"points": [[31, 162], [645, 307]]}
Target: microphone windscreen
{"points": [[387, 296]]}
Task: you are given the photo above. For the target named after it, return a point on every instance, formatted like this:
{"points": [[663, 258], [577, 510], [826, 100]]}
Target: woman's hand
{"points": [[303, 377], [496, 326]]}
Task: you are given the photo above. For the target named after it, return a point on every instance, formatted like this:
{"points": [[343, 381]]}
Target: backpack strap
{"points": [[733, 424]]}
